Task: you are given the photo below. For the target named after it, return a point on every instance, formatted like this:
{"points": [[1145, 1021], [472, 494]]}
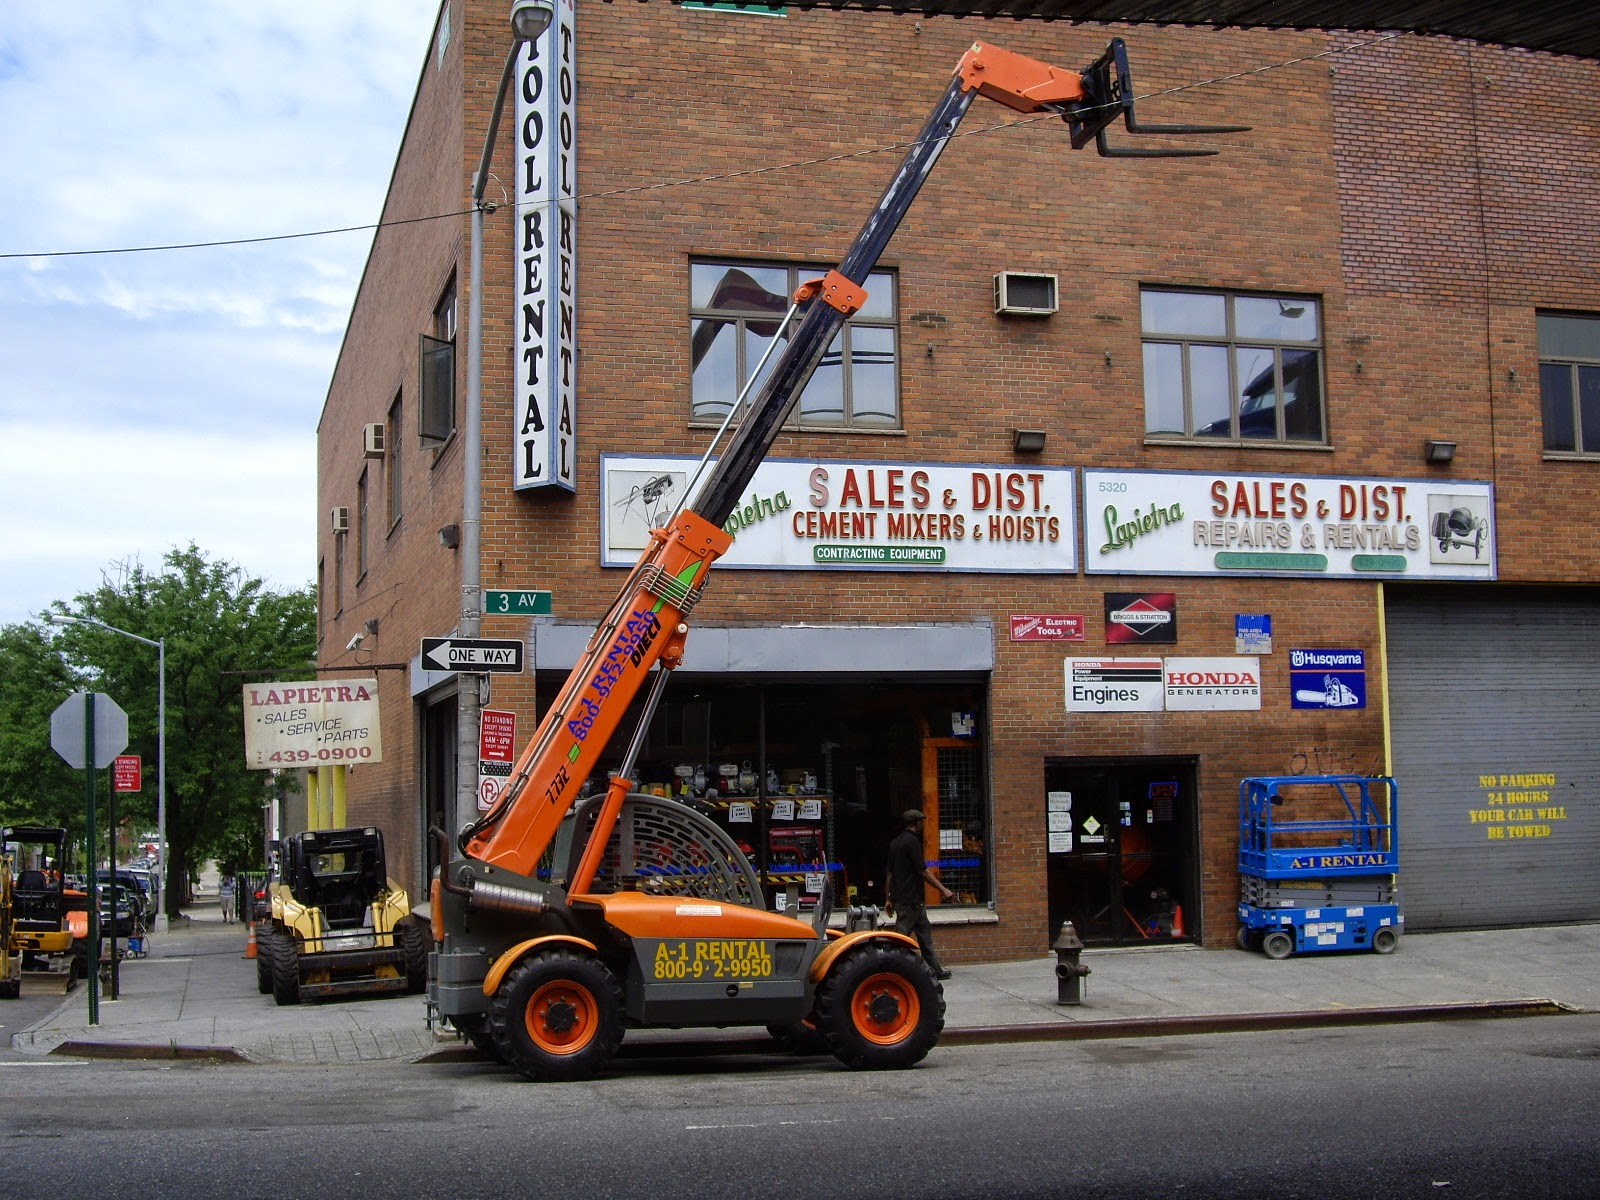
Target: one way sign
{"points": [[474, 655]]}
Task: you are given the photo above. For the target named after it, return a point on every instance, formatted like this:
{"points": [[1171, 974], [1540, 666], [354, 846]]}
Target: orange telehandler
{"points": [[560, 919]]}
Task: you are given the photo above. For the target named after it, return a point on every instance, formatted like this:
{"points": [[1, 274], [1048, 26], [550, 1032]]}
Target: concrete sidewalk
{"points": [[195, 995]]}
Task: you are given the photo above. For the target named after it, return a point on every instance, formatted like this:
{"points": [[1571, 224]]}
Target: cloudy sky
{"points": [[150, 400]]}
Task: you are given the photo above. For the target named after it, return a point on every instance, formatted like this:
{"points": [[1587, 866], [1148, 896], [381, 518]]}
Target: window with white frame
{"points": [[1232, 366], [735, 309], [1569, 383]]}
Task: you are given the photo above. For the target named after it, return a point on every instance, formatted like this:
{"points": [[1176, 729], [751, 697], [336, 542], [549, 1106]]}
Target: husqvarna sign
{"points": [[544, 416]]}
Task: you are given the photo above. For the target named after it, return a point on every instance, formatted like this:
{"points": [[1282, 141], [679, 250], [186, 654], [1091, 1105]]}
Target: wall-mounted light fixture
{"points": [[450, 536], [1027, 441], [1438, 452]]}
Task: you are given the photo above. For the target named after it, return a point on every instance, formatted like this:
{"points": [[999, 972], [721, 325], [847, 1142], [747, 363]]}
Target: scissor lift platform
{"points": [[1318, 864]]}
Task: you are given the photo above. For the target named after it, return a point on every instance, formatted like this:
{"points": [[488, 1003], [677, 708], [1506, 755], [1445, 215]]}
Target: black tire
{"points": [[10, 989], [1249, 939], [414, 939], [880, 1008], [1386, 940], [557, 1015], [264, 960], [1277, 944], [799, 1037], [285, 969]]}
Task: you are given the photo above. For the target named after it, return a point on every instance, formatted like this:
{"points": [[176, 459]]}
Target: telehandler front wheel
{"points": [[557, 1015], [881, 1008]]}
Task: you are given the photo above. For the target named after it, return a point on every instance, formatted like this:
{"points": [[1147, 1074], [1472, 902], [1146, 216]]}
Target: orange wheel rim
{"points": [[885, 1008], [562, 1017]]}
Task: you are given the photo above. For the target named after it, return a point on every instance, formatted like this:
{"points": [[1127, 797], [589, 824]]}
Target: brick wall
{"points": [[1404, 183]]}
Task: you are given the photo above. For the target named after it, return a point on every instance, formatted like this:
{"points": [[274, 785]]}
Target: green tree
{"points": [[221, 628], [36, 785]]}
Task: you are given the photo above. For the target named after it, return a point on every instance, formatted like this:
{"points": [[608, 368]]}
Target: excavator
{"points": [[561, 919]]}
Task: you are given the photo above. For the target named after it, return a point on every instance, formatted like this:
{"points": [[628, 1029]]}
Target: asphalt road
{"points": [[1498, 1109]]}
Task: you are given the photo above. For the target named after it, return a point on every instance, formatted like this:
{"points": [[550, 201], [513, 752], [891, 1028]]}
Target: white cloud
{"points": [[150, 400]]}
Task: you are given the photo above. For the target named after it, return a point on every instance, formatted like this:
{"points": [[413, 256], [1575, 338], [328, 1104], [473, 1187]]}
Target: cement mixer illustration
{"points": [[1460, 527]]}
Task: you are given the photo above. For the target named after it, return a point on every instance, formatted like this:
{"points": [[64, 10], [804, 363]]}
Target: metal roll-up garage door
{"points": [[1494, 698]]}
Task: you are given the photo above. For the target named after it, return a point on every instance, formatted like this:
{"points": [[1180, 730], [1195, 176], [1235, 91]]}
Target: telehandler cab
{"points": [[556, 929]]}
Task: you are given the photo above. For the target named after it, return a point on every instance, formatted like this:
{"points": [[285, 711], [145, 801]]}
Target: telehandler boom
{"points": [[559, 922]]}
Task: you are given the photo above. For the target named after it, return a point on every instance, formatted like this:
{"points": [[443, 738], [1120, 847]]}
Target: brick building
{"points": [[1135, 477]]}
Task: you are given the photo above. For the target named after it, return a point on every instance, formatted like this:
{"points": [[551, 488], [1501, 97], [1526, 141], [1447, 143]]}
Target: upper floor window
{"points": [[1233, 366], [735, 309], [764, 10], [1569, 383], [436, 398], [361, 526], [392, 475]]}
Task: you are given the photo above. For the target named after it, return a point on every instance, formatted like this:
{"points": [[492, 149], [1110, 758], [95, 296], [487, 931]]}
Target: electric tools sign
{"points": [[544, 416], [810, 514], [1163, 684], [1196, 523]]}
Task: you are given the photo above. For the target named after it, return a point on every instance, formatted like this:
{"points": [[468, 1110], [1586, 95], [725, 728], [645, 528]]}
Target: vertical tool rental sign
{"points": [[544, 415]]}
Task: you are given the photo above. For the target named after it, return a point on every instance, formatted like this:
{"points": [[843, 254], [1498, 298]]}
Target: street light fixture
{"points": [[161, 751], [529, 20]]}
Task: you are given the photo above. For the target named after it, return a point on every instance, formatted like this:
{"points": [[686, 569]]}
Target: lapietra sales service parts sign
{"points": [[1197, 523], [311, 723]]}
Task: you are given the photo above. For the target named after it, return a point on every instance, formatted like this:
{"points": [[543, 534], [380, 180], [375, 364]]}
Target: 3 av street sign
{"points": [[474, 655], [524, 603]]}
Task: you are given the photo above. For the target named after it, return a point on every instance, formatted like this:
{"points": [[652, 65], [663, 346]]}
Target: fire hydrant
{"points": [[1070, 971]]}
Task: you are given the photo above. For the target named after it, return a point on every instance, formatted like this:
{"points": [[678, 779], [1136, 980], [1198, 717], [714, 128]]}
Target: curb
{"points": [[1246, 1022], [757, 1042], [149, 1051]]}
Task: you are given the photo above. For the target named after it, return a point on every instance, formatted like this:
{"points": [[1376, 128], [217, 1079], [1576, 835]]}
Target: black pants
{"points": [[912, 920]]}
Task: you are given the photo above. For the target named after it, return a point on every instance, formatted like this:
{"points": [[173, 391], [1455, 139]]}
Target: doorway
{"points": [[1123, 849]]}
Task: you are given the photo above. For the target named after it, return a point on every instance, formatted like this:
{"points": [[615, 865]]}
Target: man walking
{"points": [[907, 872]]}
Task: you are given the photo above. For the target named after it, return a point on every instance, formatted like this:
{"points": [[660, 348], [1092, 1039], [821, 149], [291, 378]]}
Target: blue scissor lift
{"points": [[1318, 864]]}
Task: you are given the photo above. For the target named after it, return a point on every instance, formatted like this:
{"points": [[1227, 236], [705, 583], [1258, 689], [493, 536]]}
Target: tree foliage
{"points": [[36, 785], [221, 629]]}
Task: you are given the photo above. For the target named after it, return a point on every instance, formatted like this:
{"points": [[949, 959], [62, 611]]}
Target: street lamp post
{"points": [[161, 752], [529, 19]]}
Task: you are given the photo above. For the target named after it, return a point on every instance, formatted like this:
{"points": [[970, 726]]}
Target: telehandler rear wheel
{"points": [[881, 1008], [557, 1015]]}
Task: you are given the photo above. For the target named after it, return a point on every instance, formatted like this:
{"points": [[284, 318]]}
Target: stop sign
{"points": [[70, 723]]}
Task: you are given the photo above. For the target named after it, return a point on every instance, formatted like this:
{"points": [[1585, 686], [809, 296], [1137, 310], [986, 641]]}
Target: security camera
{"points": [[355, 642]]}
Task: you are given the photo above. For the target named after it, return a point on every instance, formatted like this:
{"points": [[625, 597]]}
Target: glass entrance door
{"points": [[1122, 858]]}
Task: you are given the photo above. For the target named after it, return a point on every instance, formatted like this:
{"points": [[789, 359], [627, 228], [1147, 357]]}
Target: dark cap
{"points": [[911, 816]]}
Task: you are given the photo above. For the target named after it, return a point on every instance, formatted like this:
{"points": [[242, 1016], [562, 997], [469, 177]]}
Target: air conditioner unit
{"points": [[1020, 294], [341, 519], [372, 441]]}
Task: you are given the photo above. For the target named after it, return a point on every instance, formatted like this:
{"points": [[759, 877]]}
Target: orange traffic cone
{"points": [[250, 942], [1177, 920]]}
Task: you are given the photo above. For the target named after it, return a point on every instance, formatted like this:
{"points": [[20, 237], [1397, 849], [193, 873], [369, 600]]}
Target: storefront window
{"points": [[810, 779]]}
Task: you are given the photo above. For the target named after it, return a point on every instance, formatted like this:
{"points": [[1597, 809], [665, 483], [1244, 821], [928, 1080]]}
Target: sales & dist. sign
{"points": [[1199, 523], [810, 514], [311, 723]]}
